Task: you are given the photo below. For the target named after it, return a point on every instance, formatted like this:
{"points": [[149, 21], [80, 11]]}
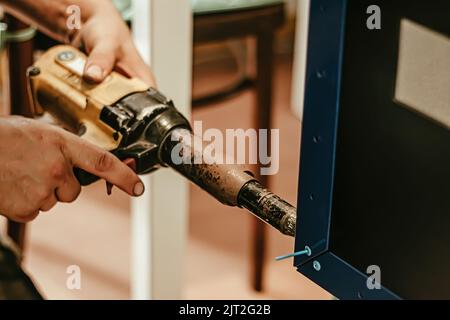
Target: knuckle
{"points": [[49, 136], [77, 191], [103, 161], [55, 137], [48, 207], [27, 216], [42, 193], [32, 215], [74, 195], [63, 149], [58, 170], [71, 194]]}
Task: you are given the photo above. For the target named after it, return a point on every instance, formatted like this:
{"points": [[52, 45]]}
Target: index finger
{"points": [[103, 164], [133, 65]]}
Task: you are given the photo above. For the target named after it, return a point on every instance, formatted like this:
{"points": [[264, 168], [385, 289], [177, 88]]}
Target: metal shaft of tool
{"points": [[268, 207], [229, 183]]}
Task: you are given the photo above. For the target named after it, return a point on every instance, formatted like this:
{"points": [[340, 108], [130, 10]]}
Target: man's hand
{"points": [[103, 34], [36, 167], [109, 45]]}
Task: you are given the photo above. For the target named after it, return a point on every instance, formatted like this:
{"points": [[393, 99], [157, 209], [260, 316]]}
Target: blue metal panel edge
{"points": [[318, 146], [342, 280], [324, 60]]}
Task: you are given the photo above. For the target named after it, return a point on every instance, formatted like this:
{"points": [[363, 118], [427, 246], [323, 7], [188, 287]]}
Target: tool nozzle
{"points": [[230, 184]]}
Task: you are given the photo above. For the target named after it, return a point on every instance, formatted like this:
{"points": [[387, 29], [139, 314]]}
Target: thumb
{"points": [[100, 62]]}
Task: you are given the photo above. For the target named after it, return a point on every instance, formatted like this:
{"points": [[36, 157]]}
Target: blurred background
{"points": [[219, 258]]}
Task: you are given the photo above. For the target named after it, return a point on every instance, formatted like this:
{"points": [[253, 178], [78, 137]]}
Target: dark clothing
{"points": [[14, 283]]}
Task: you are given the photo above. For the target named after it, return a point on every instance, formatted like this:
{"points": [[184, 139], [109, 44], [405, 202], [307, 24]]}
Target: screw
{"points": [[316, 265], [321, 74], [81, 130], [66, 56], [33, 71]]}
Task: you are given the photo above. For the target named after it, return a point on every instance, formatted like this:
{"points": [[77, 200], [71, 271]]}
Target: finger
{"points": [[133, 65], [131, 163], [48, 203], [69, 190], [26, 217], [100, 61], [103, 164], [145, 75], [143, 72], [77, 40]]}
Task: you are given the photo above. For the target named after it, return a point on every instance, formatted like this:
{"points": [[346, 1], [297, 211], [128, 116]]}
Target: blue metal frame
{"points": [[320, 123]]}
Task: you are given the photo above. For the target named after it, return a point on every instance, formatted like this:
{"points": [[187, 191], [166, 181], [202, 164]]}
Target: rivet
{"points": [[33, 71], [321, 74], [316, 265], [66, 56]]}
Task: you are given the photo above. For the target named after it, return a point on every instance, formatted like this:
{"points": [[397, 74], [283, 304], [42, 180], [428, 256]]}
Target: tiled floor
{"points": [[94, 232]]}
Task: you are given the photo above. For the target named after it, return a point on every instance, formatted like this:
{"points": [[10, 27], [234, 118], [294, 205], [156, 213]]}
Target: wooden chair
{"points": [[20, 57], [217, 21]]}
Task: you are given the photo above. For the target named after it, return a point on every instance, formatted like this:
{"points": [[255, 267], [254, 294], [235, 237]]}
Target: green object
{"points": [[15, 36], [214, 6], [202, 6], [125, 8]]}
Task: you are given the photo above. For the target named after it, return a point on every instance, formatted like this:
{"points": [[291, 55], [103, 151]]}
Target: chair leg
{"points": [[264, 70], [259, 238], [20, 57]]}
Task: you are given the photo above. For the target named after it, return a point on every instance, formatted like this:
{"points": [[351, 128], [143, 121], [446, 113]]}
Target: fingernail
{"points": [[94, 72], [138, 189]]}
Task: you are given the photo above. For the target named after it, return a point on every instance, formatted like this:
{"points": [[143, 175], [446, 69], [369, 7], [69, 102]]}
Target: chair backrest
{"points": [[214, 6], [203, 6]]}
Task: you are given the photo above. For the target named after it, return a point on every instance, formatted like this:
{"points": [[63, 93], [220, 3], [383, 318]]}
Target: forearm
{"points": [[50, 16]]}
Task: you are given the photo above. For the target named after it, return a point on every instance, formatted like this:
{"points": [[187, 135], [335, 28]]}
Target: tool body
{"points": [[132, 121]]}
